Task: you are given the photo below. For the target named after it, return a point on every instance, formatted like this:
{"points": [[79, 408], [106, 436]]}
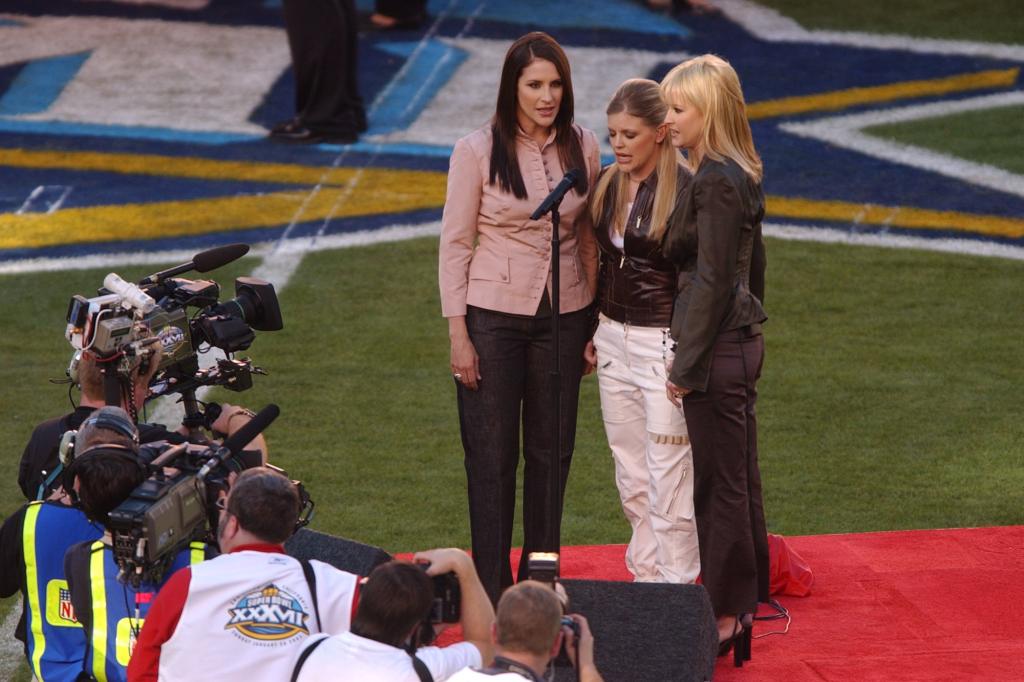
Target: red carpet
{"points": [[914, 605]]}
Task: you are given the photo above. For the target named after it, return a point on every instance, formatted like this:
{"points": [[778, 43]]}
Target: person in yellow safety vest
{"points": [[33, 542], [111, 612]]}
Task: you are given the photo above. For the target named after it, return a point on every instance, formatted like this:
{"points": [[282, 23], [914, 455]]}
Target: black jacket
{"points": [[714, 237], [636, 284]]}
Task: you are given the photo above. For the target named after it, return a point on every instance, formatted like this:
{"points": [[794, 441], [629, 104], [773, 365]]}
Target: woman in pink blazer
{"points": [[495, 281]]}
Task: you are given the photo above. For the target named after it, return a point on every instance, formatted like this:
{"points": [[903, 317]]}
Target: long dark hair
{"points": [[504, 163]]}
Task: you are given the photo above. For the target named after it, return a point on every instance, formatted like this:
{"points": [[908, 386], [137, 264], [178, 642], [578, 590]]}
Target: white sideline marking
{"points": [[769, 25], [892, 241], [11, 651], [845, 131]]}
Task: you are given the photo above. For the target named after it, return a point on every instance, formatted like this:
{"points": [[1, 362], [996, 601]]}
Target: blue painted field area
{"points": [[426, 88]]}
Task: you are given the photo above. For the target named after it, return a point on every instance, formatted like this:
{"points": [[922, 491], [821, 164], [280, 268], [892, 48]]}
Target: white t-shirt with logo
{"points": [[248, 613], [351, 658]]}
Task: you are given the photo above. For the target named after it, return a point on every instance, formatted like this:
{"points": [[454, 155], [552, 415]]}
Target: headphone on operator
{"points": [[114, 419]]}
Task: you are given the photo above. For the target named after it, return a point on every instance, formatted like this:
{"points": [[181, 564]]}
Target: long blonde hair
{"points": [[639, 97], [710, 84]]}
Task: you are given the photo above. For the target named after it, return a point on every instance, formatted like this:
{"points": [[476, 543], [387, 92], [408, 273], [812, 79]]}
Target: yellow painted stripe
{"points": [[377, 191], [894, 216], [841, 99], [174, 166], [32, 586]]}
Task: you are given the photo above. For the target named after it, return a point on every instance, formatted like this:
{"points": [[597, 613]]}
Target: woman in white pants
{"points": [[631, 348]]}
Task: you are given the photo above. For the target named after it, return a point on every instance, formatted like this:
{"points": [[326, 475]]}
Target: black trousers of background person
{"points": [[322, 37], [727, 497], [515, 355]]}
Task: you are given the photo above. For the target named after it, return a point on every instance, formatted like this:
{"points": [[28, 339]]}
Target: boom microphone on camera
{"points": [[553, 199], [234, 443], [204, 261]]}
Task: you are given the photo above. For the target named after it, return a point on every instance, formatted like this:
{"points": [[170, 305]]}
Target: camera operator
{"points": [[109, 610], [33, 542], [529, 633], [246, 613], [393, 608], [38, 473]]}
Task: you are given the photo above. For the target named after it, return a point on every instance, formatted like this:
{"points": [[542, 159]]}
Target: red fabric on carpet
{"points": [[908, 605]]}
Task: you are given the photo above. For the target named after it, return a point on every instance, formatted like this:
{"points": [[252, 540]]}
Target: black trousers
{"points": [[727, 497], [516, 390], [322, 37]]}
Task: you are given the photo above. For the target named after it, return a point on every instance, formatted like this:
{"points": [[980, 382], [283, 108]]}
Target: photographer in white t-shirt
{"points": [[394, 606]]}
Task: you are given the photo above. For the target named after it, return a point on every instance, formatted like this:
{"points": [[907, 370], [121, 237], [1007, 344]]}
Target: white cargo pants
{"points": [[653, 461]]}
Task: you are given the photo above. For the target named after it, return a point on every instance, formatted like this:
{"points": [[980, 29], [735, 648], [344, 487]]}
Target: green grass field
{"points": [[993, 136], [890, 396], [888, 399], [1000, 21]]}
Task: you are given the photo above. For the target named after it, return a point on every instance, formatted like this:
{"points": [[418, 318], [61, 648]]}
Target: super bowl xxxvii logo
{"points": [[269, 614]]}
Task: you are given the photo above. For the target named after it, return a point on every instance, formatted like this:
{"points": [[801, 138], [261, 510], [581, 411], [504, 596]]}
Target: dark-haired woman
{"points": [[495, 281]]}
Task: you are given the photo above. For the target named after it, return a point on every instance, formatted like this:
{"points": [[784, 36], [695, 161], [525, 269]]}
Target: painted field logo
{"points": [[269, 614]]}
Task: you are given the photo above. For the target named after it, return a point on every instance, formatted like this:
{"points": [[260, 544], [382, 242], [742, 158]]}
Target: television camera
{"points": [[124, 324], [177, 503]]}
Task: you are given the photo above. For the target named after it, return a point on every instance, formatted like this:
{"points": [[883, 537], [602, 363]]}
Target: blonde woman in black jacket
{"points": [[715, 239]]}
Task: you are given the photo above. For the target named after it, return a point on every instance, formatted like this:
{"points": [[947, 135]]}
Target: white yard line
{"points": [[846, 131], [828, 235]]}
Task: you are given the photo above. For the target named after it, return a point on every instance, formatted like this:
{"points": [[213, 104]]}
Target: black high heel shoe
{"points": [[741, 651], [739, 641], [726, 645]]}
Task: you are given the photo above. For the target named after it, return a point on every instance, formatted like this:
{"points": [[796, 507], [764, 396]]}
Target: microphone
{"points": [[130, 294], [212, 259], [234, 443], [553, 199], [205, 261]]}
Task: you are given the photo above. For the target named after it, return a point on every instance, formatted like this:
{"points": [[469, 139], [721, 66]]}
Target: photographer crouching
{"points": [[528, 635], [399, 605]]}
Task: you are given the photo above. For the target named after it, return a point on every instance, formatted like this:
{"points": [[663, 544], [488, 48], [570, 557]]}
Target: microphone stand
{"points": [[555, 476]]}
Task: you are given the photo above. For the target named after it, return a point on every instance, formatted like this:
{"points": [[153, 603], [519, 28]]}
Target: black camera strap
{"points": [[422, 671], [304, 655], [503, 665], [307, 570]]}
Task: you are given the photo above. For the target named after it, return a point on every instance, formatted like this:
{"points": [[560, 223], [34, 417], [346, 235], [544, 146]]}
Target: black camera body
{"points": [[171, 508], [447, 604]]}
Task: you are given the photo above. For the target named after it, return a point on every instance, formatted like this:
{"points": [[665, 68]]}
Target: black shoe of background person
{"points": [[293, 132]]}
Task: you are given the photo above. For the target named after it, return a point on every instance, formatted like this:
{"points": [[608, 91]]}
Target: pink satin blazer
{"points": [[492, 255]]}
